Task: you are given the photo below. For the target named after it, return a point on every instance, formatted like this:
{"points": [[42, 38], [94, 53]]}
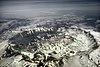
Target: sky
{"points": [[58, 0], [38, 7]]}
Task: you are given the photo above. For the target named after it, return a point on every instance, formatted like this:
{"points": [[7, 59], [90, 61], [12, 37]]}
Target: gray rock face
{"points": [[56, 46]]}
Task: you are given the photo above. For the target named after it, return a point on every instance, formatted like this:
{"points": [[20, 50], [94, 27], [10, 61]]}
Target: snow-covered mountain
{"points": [[65, 41]]}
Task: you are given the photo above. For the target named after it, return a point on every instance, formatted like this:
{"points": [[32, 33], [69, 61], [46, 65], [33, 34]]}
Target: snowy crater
{"points": [[51, 46]]}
